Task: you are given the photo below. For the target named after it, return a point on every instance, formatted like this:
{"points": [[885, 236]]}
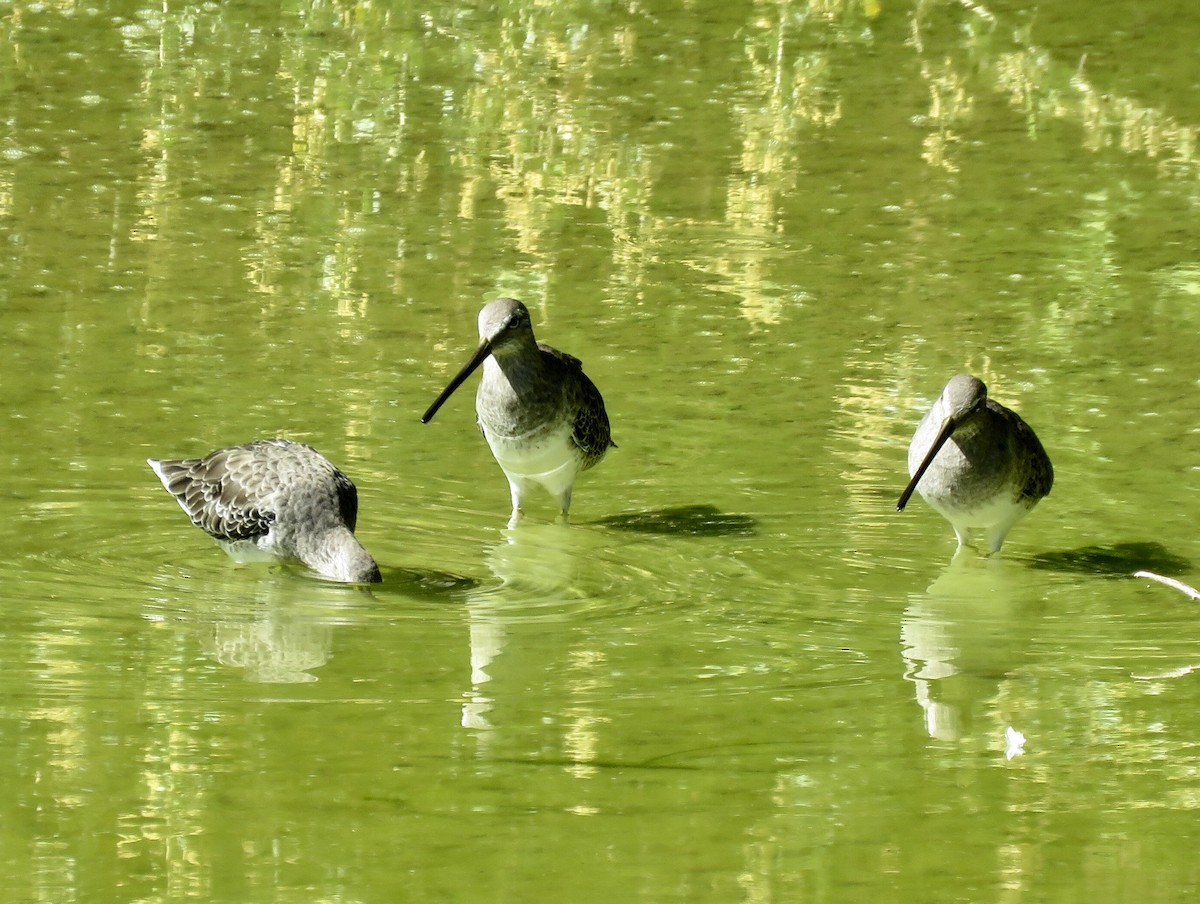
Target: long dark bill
{"points": [[944, 434], [485, 349]]}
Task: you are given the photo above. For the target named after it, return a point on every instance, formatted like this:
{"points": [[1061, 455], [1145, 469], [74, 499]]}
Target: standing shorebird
{"points": [[274, 499], [542, 417], [976, 462]]}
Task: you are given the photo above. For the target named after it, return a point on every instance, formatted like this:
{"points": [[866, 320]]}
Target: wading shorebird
{"points": [[542, 417], [976, 462], [273, 499]]}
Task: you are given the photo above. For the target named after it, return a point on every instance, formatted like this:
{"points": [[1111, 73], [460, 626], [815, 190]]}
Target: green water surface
{"points": [[771, 230]]}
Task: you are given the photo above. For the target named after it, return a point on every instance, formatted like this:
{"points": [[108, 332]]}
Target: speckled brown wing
{"points": [[591, 431], [1039, 473], [215, 491], [277, 498]]}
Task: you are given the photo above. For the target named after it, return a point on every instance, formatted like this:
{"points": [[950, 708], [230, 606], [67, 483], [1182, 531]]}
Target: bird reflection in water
{"points": [[964, 641]]}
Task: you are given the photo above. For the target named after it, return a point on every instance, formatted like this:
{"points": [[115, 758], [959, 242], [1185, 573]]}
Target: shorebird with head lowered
{"points": [[976, 462], [273, 499], [542, 417]]}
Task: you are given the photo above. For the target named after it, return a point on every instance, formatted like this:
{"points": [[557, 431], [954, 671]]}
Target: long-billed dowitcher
{"points": [[273, 499], [976, 462], [542, 417]]}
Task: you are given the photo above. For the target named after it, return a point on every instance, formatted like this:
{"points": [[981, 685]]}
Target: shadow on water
{"points": [[691, 520], [1119, 560]]}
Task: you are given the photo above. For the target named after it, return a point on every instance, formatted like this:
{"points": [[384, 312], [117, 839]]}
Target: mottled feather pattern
{"points": [[592, 432], [977, 463], [1040, 472], [543, 419], [213, 501], [232, 494], [284, 498]]}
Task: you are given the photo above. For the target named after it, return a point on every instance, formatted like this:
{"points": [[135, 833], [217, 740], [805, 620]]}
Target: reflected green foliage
{"points": [[771, 229], [533, 122]]}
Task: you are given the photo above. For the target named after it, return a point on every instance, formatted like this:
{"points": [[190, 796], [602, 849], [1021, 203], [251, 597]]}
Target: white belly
{"points": [[550, 460], [986, 512]]}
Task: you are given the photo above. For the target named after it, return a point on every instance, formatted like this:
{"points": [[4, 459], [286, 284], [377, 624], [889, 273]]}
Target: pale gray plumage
{"points": [[273, 499], [976, 462], [543, 419]]}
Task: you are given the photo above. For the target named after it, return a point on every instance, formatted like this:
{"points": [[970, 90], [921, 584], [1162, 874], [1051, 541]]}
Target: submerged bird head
{"points": [[337, 554], [504, 328], [964, 397]]}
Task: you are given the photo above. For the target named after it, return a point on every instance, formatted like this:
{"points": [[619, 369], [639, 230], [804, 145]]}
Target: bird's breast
{"points": [[533, 454], [520, 404]]}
